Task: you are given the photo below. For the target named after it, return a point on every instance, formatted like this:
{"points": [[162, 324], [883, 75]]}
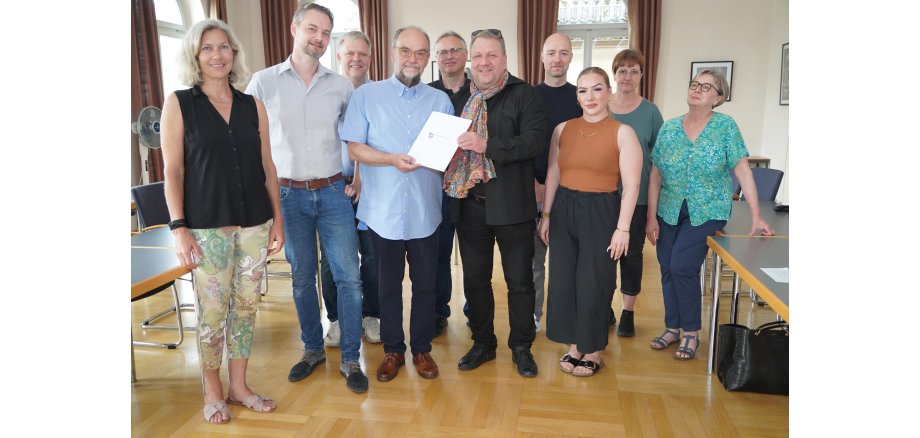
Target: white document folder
{"points": [[437, 142]]}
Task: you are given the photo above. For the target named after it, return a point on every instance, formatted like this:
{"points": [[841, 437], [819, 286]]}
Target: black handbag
{"points": [[754, 360]]}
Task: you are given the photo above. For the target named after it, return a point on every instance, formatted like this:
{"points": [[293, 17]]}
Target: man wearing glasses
{"points": [[492, 197], [400, 201], [561, 102], [450, 51]]}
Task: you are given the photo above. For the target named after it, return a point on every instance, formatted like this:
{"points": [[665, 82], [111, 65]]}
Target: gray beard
{"points": [[406, 81]]}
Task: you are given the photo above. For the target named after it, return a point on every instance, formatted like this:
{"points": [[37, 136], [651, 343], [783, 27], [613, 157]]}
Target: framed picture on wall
{"points": [[784, 77], [724, 67]]}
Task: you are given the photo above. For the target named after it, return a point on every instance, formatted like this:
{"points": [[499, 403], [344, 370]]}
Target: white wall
{"points": [[245, 18], [462, 17], [750, 33]]}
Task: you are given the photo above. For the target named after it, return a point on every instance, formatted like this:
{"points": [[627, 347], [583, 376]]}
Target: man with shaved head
{"points": [[561, 104]]}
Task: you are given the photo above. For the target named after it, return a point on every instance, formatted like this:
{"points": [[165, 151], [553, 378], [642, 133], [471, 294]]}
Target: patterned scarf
{"points": [[467, 168]]}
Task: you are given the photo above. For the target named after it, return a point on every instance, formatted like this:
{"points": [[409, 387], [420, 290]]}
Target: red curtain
{"points": [[276, 29], [218, 9], [146, 83], [374, 15], [537, 19], [645, 35]]}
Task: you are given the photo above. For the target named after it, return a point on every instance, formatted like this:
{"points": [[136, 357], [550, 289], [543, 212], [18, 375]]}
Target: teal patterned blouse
{"points": [[697, 172]]}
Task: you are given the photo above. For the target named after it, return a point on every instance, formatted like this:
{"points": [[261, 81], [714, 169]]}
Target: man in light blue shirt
{"points": [[400, 201], [305, 102]]}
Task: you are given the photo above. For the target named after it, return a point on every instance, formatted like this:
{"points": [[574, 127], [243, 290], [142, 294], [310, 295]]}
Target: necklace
{"points": [[595, 132], [219, 101]]}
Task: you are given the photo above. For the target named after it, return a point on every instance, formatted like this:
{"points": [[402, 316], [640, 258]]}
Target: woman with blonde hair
{"points": [[590, 225], [223, 198]]}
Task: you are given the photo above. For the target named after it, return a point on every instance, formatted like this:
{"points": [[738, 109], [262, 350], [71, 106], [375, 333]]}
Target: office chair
{"points": [[767, 182], [153, 213]]}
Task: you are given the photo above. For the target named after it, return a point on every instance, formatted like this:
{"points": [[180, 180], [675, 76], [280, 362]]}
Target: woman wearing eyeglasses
{"points": [[627, 106], [690, 198]]}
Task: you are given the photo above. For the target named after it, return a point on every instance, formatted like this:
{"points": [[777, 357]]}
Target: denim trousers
{"points": [[681, 250], [370, 305], [326, 211]]}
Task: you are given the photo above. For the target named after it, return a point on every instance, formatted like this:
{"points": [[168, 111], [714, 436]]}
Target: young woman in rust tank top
{"points": [[588, 157]]}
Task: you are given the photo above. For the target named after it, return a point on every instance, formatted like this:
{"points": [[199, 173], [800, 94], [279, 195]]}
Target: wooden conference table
{"points": [[746, 255]]}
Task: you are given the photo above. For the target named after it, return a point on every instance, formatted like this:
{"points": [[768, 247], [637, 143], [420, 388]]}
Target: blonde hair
{"points": [[189, 69]]}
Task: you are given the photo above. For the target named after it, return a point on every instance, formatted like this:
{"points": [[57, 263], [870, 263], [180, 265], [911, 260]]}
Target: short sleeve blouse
{"points": [[697, 172]]}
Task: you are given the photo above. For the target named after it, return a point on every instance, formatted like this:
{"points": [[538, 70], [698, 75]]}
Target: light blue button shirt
{"points": [[388, 116], [348, 165]]}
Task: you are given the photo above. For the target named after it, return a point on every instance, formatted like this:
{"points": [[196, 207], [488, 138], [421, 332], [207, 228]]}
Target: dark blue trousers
{"points": [[681, 251], [445, 250], [391, 268]]}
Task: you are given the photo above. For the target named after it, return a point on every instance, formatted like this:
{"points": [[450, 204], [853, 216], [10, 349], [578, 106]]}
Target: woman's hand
{"points": [[187, 248], [619, 244], [758, 224], [544, 230], [651, 231], [276, 237]]}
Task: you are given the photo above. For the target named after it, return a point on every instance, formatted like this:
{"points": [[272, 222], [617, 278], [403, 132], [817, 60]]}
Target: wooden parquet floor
{"points": [[639, 393]]}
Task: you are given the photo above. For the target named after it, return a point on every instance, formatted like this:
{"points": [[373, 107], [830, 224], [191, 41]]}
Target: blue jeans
{"points": [[327, 211], [681, 250], [370, 304]]}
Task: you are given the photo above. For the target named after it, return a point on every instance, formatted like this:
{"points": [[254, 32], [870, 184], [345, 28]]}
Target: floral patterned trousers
{"points": [[228, 288]]}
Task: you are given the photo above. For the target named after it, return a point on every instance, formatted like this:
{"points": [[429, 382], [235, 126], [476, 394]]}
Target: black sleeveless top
{"points": [[224, 178]]}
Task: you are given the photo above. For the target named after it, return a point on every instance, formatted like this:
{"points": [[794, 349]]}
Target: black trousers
{"points": [[422, 255], [582, 275], [631, 265], [515, 243]]}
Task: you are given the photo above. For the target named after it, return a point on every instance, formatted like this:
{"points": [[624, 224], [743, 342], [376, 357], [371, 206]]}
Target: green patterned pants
{"points": [[228, 288]]}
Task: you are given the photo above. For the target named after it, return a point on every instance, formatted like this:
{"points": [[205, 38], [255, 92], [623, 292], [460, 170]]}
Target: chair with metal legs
{"points": [[152, 212]]}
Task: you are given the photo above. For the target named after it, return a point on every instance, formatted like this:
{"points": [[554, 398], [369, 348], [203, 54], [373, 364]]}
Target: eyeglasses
{"points": [[497, 32], [626, 71], [704, 87], [405, 52], [444, 52]]}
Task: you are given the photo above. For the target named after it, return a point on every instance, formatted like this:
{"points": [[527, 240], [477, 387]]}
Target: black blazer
{"points": [[517, 127]]}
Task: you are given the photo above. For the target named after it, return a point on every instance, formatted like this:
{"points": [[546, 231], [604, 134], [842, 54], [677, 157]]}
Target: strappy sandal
{"points": [[661, 343], [212, 409], [254, 402], [685, 348], [567, 358], [591, 365]]}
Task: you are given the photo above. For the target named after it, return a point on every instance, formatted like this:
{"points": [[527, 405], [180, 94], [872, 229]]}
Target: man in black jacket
{"points": [[502, 208]]}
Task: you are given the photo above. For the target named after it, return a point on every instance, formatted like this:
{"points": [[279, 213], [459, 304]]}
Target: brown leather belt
{"points": [[312, 184]]}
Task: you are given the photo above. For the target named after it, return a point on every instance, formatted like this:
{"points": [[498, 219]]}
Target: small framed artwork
{"points": [[724, 67], [784, 77]]}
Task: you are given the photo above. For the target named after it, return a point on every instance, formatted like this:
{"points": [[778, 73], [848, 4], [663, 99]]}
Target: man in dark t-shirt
{"points": [[561, 104]]}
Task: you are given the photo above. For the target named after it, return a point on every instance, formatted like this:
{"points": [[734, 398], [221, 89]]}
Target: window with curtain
{"points": [[174, 18], [347, 19], [598, 30]]}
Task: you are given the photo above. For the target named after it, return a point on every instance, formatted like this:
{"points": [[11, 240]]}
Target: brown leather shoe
{"points": [[425, 365], [389, 368]]}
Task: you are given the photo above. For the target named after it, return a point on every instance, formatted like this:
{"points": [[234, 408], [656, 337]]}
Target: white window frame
{"points": [[588, 32]]}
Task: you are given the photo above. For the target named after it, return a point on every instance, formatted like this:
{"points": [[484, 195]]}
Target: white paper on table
{"points": [[437, 142], [779, 275]]}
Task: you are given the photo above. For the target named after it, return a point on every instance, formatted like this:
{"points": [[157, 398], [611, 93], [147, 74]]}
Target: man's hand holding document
{"points": [[437, 143]]}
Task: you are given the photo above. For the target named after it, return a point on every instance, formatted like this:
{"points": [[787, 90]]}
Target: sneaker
{"points": [[371, 328], [332, 336], [306, 364], [537, 325], [355, 379]]}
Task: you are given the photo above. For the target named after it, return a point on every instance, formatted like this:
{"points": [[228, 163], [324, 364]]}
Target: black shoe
{"points": [[524, 360], [626, 328], [305, 366], [439, 324], [355, 379], [613, 318], [477, 356]]}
